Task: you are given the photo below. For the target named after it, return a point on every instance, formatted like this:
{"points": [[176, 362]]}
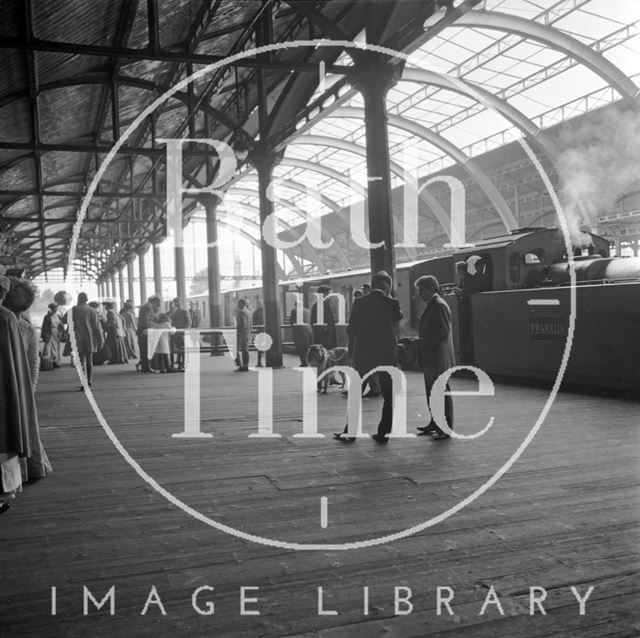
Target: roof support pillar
{"points": [[157, 270], [210, 203], [265, 163], [130, 281], [114, 290], [121, 286], [373, 81], [181, 286], [264, 159], [143, 278]]}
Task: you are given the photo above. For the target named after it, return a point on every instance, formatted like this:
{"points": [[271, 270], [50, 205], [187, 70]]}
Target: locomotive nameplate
{"points": [[547, 328]]}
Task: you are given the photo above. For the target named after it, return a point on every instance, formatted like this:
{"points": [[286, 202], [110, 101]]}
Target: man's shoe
{"points": [[380, 438], [439, 436], [341, 436], [431, 427]]}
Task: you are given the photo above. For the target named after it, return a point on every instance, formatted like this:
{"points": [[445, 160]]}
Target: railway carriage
{"points": [[510, 308]]}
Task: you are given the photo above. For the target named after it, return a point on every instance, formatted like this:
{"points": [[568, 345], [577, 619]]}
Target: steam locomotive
{"points": [[510, 298]]}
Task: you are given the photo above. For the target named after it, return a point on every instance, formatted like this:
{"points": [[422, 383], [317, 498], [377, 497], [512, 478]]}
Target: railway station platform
{"points": [[565, 514]]}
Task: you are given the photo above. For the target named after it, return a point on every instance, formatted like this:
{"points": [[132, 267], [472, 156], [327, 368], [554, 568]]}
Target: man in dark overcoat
{"points": [[372, 339], [88, 333], [436, 347]]}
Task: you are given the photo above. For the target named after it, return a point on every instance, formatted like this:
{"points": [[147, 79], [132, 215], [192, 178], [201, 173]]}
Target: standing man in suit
{"points": [[302, 333], [244, 325], [371, 330], [325, 332], [436, 347], [89, 335]]}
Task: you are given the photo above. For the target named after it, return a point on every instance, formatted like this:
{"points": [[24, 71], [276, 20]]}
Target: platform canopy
{"points": [[77, 74]]}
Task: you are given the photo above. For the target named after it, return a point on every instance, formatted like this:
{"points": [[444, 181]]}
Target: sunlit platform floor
{"points": [[131, 507]]}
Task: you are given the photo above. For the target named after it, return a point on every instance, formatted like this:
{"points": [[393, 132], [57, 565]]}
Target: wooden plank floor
{"points": [[567, 513]]}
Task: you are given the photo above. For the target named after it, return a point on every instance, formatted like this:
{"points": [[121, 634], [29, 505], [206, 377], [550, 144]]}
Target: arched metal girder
{"points": [[342, 257], [329, 203], [473, 91], [306, 165], [254, 211], [332, 173], [433, 204], [469, 164], [292, 162], [301, 188], [480, 19]]}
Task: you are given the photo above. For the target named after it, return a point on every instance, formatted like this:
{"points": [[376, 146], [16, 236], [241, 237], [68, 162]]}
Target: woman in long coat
{"points": [[131, 329], [19, 299], [116, 334]]}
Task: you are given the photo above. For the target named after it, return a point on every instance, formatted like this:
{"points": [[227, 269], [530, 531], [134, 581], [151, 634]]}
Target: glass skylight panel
{"points": [[474, 128], [620, 11], [481, 76], [562, 88], [521, 8], [585, 25], [626, 56], [331, 126]]}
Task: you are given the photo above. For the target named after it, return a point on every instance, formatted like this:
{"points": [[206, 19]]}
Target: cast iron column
{"points": [[210, 203], [181, 287], [157, 270], [264, 158], [143, 279], [373, 80], [264, 164], [113, 286], [130, 281], [121, 287]]}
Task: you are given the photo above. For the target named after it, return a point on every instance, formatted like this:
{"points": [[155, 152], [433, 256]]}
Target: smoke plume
{"points": [[600, 162]]}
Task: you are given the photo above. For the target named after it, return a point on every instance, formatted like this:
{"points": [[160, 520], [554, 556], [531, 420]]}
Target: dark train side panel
{"points": [[513, 338]]}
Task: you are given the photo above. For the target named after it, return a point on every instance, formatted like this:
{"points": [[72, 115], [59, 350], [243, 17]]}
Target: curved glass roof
{"points": [[543, 83]]}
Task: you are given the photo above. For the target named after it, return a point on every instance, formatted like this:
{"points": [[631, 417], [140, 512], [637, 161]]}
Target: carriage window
{"points": [[514, 267], [534, 257]]}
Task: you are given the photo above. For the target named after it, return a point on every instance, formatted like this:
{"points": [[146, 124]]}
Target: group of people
{"points": [[372, 342], [103, 335], [371, 332], [168, 354], [22, 456]]}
